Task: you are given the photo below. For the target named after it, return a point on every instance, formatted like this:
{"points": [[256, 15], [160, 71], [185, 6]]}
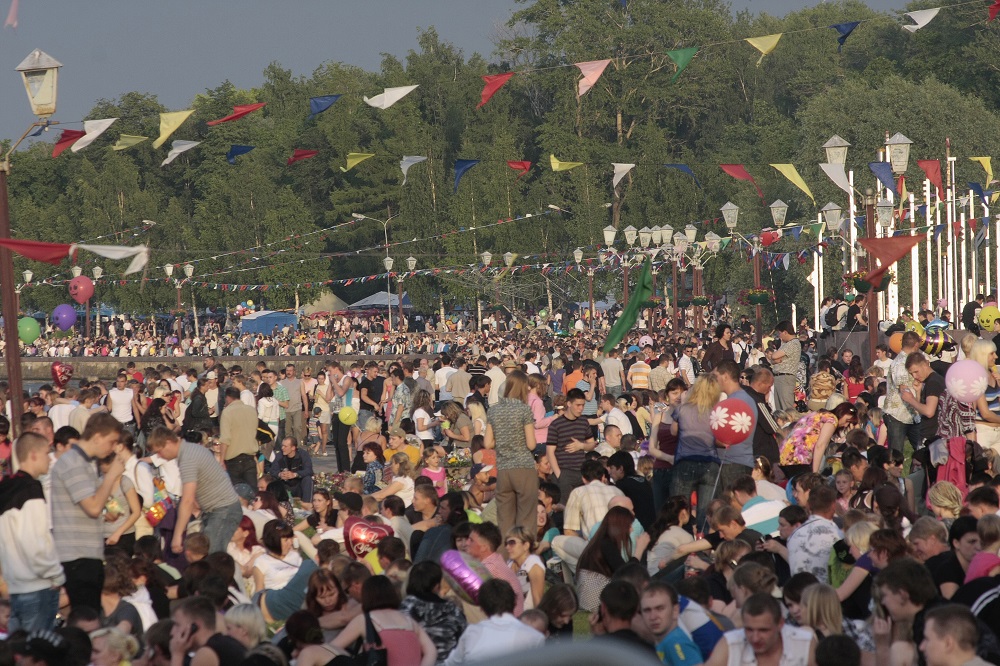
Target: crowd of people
{"points": [[500, 492]]}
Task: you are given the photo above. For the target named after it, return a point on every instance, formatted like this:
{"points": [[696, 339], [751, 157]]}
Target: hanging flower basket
{"points": [[760, 299], [700, 301], [684, 302]]}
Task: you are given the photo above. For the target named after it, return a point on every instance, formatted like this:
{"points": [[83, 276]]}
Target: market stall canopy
{"points": [[265, 321], [377, 301]]}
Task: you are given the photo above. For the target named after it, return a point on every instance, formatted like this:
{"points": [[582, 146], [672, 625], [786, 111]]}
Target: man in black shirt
{"points": [[194, 630], [613, 620], [970, 314], [765, 436], [925, 395], [621, 469], [371, 393], [856, 315]]}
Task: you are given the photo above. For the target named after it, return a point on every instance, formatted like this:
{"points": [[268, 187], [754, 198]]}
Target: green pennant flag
{"points": [[643, 292], [681, 58]]}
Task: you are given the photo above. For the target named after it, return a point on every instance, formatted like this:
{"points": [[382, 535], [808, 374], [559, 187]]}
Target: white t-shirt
{"points": [[406, 494], [417, 416], [522, 575], [277, 572], [121, 404]]}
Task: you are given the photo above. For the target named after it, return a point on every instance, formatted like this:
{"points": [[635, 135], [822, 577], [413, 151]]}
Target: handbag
{"points": [[264, 433], [372, 652], [162, 503]]}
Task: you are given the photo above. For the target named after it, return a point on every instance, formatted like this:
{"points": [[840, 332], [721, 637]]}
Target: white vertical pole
{"points": [[914, 258], [963, 291], [973, 259], [986, 246], [949, 233], [941, 282], [890, 309], [853, 233], [927, 223]]}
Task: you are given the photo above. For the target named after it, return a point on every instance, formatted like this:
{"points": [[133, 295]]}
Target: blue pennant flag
{"points": [[686, 169], [318, 105], [883, 171], [235, 151], [981, 234], [921, 210], [937, 230], [983, 195], [461, 166], [795, 232], [845, 30], [859, 221]]}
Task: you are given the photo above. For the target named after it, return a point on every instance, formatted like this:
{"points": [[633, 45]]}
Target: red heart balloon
{"points": [[61, 373], [363, 537]]}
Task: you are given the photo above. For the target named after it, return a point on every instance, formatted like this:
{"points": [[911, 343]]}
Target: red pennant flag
{"points": [[932, 169], [301, 154], [238, 112], [50, 253], [887, 251], [521, 167], [738, 172], [994, 10], [494, 82], [66, 139]]}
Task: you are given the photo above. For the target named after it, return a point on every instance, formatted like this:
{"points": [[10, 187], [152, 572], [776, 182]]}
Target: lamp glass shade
{"points": [[411, 263], [645, 236], [730, 213], [831, 215], [630, 234], [713, 242], [779, 211], [657, 235], [883, 213], [681, 244], [98, 272], [76, 271], [40, 73], [387, 262], [168, 269], [898, 153], [508, 259], [609, 235], [188, 270], [577, 255], [836, 150], [668, 234], [486, 257], [691, 232], [27, 276]]}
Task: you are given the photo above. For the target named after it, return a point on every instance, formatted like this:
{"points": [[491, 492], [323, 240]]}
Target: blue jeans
{"points": [[219, 525], [898, 432], [33, 611], [661, 487], [702, 476]]}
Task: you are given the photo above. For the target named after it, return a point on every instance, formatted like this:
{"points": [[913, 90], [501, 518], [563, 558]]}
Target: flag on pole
{"points": [[626, 320], [887, 251]]}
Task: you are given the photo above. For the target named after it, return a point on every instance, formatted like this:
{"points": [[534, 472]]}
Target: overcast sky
{"points": [[179, 48]]}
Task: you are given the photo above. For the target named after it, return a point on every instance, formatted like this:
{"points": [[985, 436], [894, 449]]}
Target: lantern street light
{"points": [[836, 150], [98, 272], [832, 216], [871, 209], [411, 263], [731, 214], [578, 257], [385, 233], [487, 258], [657, 232], [630, 234], [76, 271], [691, 232], [645, 236], [609, 235], [883, 210], [17, 291], [898, 153], [779, 211]]}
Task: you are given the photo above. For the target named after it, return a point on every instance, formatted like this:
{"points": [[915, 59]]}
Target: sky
{"points": [[178, 48]]}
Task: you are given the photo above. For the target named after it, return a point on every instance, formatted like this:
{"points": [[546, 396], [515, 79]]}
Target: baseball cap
{"points": [[350, 501], [211, 375], [397, 432], [479, 468], [508, 364], [45, 645], [245, 491]]}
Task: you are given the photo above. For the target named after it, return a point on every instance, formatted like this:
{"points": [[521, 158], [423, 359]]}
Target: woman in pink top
{"points": [[405, 641], [538, 386]]}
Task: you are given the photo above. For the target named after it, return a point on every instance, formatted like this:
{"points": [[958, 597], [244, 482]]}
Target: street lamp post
{"points": [[169, 270], [17, 292], [411, 263], [40, 73], [98, 272], [387, 262]]}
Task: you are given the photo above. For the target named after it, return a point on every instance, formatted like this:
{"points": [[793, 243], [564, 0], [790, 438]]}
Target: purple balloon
{"points": [[64, 317]]}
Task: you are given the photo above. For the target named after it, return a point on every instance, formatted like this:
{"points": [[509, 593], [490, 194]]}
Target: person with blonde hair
{"points": [[245, 623], [402, 479], [529, 567], [821, 612], [696, 463], [984, 352], [946, 502], [748, 578], [112, 647]]}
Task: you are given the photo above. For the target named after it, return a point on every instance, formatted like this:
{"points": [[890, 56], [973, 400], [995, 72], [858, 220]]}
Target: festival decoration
{"points": [[127, 141], [883, 171], [318, 105], [914, 326], [932, 169], [591, 71], [732, 421], [791, 173], [755, 296], [64, 317], [354, 159], [389, 97], [176, 148], [966, 381], [838, 174], [461, 166], [645, 341], [682, 58], [522, 167], [620, 171], [993, 11], [988, 317], [301, 154], [896, 342], [11, 21], [764, 44], [628, 317], [464, 574], [493, 83], [169, 123], [738, 172], [92, 129], [562, 166], [921, 18], [685, 169], [237, 150], [347, 416], [238, 112], [844, 31], [936, 342], [61, 373], [363, 538], [66, 139], [887, 251], [28, 330], [81, 288], [937, 325], [408, 161]]}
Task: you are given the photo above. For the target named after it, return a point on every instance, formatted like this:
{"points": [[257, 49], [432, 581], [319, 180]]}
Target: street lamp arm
{"points": [[5, 163]]}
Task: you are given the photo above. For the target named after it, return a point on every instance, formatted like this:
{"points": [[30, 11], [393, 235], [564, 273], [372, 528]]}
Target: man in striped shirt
{"points": [[758, 513]]}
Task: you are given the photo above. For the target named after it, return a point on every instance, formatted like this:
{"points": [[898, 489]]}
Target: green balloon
{"points": [[28, 330]]}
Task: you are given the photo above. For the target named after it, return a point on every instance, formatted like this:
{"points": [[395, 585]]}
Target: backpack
{"points": [[831, 318]]}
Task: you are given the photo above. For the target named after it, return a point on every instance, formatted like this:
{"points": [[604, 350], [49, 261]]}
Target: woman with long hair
{"points": [[946, 502], [749, 578], [459, 430], [984, 352], [696, 463], [667, 532], [609, 549], [884, 546], [872, 479], [325, 596], [820, 611], [403, 475], [245, 549], [763, 476], [560, 604], [511, 432], [538, 387], [854, 382], [268, 409], [442, 619], [889, 505], [374, 461], [804, 449], [371, 434], [421, 411]]}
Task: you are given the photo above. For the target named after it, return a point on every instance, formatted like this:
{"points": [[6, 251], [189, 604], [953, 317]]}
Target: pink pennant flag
{"points": [[591, 71], [11, 21], [494, 82], [239, 111], [994, 10], [738, 172]]}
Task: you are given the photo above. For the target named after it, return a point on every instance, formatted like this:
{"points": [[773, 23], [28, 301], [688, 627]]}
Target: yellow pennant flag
{"points": [[791, 173], [127, 141], [987, 164], [563, 166], [354, 159], [169, 122], [764, 44]]}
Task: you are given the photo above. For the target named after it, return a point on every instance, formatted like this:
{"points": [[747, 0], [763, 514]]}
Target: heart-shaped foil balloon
{"points": [[362, 537], [61, 373]]}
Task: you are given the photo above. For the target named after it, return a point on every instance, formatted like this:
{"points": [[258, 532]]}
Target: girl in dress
{"points": [[432, 470]]}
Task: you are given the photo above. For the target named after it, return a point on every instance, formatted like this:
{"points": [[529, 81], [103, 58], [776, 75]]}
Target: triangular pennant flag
{"points": [[921, 18], [92, 129], [563, 166], [794, 231], [932, 169], [591, 71], [408, 161], [66, 139], [237, 150], [494, 82], [127, 141], [138, 253], [682, 58], [522, 167], [461, 166], [883, 171], [740, 173], [389, 97], [764, 44], [318, 105], [994, 10], [978, 190], [937, 230], [627, 318], [354, 159], [238, 112], [50, 253], [838, 174], [11, 21], [845, 30], [785, 260], [169, 122], [887, 251], [789, 171], [987, 164], [620, 171], [686, 169], [176, 148], [301, 154]]}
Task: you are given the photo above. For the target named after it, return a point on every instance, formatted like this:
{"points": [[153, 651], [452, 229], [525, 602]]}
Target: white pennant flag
{"points": [[139, 254], [921, 18], [838, 175], [408, 161], [176, 148], [786, 260], [620, 171], [93, 129], [389, 97]]}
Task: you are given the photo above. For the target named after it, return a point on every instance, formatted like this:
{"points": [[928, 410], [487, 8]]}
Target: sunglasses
{"points": [[511, 542]]}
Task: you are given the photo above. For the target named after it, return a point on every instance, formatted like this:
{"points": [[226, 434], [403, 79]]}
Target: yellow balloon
{"points": [[915, 326], [250, 303]]}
